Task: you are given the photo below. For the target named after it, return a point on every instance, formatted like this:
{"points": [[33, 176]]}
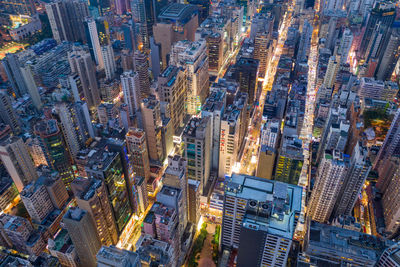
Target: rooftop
{"points": [[281, 201], [62, 242], [196, 127], [178, 12], [112, 255]]}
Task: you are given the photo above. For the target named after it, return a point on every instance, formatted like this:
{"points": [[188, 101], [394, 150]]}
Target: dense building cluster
{"points": [[199, 133]]}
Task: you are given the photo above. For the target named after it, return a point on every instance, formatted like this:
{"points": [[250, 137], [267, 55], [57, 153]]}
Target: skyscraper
{"points": [[331, 71], [261, 50], [15, 157], [93, 41], [33, 90], [382, 13], [141, 66], [172, 86], [52, 141], [391, 145], [389, 57], [152, 123], [7, 113], [197, 140], [215, 47], [110, 67], [345, 45], [91, 196], [130, 87], [83, 234], [193, 57], [66, 20], [246, 75], [12, 68], [82, 64], [330, 177], [137, 148], [359, 168]]}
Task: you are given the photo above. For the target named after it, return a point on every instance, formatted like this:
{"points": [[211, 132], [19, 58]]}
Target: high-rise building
{"points": [[82, 64], [175, 16], [130, 87], [175, 176], [331, 71], [331, 174], [33, 90], [12, 67], [83, 121], [268, 149], [345, 45], [106, 165], [66, 20], [246, 75], [172, 88], [194, 188], [141, 66], [261, 51], [110, 67], [112, 256], [36, 151], [193, 57], [197, 139], [15, 157], [389, 57], [229, 141], [214, 107], [152, 124], [391, 145], [215, 47], [137, 148], [357, 174], [333, 246], [52, 142], [257, 220], [7, 113], [91, 195], [82, 231], [93, 41], [383, 13]]}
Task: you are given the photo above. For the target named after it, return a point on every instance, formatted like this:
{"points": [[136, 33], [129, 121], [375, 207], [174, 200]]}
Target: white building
{"points": [[107, 54], [130, 87]]}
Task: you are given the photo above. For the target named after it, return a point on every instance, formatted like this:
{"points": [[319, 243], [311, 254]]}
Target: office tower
{"points": [[175, 176], [33, 90], [333, 246], [93, 41], [331, 71], [55, 188], [110, 68], [359, 168], [7, 113], [345, 45], [141, 66], [391, 145], [91, 196], [142, 195], [63, 249], [175, 16], [268, 149], [389, 57], [68, 127], [83, 234], [139, 12], [244, 196], [152, 124], [37, 201], [12, 68], [214, 108], [172, 88], [261, 51], [82, 64], [51, 139], [304, 43], [229, 141], [66, 20], [193, 57], [331, 174], [197, 137], [137, 148], [246, 75], [106, 165], [112, 256], [83, 121], [130, 87], [383, 13], [215, 47], [20, 7], [15, 157]]}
